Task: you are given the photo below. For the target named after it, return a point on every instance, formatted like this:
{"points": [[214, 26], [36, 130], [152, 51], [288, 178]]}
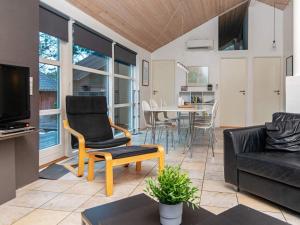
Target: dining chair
{"points": [[159, 125], [208, 125], [154, 105]]}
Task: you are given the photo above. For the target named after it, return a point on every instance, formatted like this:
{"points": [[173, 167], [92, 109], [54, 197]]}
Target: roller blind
{"points": [[53, 23], [87, 38], [125, 55]]}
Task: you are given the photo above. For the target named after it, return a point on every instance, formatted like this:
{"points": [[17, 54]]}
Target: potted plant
{"points": [[172, 188]]}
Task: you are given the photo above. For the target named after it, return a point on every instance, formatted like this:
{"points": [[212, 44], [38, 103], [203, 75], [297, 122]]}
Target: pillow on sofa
{"points": [[283, 135]]}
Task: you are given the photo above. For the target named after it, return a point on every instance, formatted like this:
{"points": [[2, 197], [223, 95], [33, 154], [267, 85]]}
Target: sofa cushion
{"points": [[279, 166], [283, 135], [283, 116]]}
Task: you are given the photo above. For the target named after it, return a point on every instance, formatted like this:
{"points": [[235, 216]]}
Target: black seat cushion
{"points": [[128, 151], [283, 135], [107, 143], [276, 165]]}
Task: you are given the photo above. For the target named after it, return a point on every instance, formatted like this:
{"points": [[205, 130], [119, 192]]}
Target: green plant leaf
{"points": [[173, 186]]}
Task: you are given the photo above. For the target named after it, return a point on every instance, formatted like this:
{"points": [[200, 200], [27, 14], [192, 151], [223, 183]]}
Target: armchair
{"points": [[91, 131]]}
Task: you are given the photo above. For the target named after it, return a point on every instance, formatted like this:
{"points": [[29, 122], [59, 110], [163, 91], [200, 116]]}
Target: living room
{"points": [[149, 112]]}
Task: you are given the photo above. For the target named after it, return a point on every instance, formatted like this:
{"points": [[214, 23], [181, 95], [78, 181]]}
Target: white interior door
{"points": [[163, 75], [266, 89], [233, 92]]}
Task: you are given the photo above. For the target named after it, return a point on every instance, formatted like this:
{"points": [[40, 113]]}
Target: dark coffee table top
{"points": [[242, 215], [142, 210], [138, 210]]}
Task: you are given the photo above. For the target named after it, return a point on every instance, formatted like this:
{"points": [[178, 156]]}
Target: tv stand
{"points": [[13, 125], [9, 161]]}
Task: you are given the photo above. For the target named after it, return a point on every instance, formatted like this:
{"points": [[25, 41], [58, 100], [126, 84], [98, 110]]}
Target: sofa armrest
{"points": [[249, 139]]}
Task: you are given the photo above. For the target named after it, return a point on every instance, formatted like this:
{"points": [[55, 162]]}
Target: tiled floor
{"points": [[60, 202]]}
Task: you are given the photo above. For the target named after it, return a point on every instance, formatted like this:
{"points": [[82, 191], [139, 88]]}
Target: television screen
{"points": [[233, 29], [14, 93]]}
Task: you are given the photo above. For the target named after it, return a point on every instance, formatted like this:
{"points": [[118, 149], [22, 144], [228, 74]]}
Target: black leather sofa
{"points": [[270, 174]]}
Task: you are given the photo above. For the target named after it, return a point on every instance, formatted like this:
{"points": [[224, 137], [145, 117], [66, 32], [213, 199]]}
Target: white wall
{"points": [[296, 43], [78, 15], [291, 47], [260, 44], [288, 30]]}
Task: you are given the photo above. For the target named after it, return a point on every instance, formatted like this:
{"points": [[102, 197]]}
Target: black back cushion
{"points": [[88, 116], [283, 116], [284, 132]]}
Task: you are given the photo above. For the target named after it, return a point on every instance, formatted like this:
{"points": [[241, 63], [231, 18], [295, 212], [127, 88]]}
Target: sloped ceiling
{"points": [[280, 4], [154, 23]]}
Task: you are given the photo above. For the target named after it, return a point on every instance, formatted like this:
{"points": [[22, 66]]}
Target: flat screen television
{"points": [[14, 93]]}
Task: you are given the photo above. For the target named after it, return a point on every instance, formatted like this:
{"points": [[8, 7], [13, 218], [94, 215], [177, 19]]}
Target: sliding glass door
{"points": [[50, 98]]}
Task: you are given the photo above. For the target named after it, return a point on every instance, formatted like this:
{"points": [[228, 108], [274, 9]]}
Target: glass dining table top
{"points": [[198, 108]]}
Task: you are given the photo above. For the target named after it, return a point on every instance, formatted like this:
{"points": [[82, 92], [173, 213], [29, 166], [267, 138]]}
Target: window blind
{"points": [[125, 55], [53, 23], [87, 38]]}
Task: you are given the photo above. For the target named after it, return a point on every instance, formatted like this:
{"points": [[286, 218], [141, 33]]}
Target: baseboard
{"points": [[52, 162]]}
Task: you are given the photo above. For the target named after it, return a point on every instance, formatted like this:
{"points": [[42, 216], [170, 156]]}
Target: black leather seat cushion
{"points": [[276, 165], [105, 144], [127, 151]]}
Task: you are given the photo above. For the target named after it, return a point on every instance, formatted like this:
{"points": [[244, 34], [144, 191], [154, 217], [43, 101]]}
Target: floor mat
{"points": [[53, 172]]}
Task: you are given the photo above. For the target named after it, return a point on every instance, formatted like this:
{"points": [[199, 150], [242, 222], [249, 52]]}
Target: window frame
{"points": [[94, 71], [56, 151], [131, 104]]}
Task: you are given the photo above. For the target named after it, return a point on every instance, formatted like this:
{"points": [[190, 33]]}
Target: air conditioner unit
{"points": [[200, 44]]}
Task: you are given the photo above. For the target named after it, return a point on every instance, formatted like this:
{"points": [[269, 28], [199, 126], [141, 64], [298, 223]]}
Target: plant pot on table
{"points": [[170, 214]]}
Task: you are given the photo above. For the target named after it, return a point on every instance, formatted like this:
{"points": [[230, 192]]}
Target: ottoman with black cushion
{"points": [[121, 156]]}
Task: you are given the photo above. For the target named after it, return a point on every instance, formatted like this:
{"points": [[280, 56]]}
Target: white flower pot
{"points": [[170, 214]]}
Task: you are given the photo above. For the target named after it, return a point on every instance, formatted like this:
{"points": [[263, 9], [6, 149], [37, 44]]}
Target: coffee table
{"points": [[242, 215], [142, 210], [138, 210]]}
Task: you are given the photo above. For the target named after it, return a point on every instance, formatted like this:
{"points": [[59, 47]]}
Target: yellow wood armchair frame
{"points": [[101, 155]]}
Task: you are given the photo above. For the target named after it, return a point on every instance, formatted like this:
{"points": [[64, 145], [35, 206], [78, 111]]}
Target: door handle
{"points": [[243, 92], [154, 92], [277, 92]]}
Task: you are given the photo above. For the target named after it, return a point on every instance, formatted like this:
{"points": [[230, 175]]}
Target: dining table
{"points": [[190, 110]]}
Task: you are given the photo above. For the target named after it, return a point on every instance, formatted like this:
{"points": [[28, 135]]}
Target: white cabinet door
{"points": [[233, 92], [267, 90], [163, 75]]}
